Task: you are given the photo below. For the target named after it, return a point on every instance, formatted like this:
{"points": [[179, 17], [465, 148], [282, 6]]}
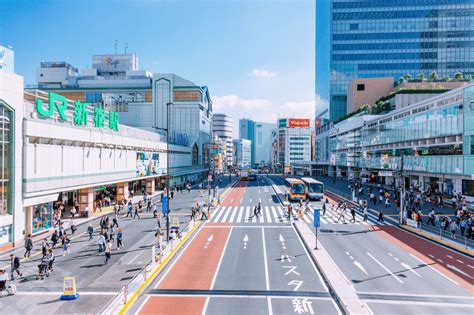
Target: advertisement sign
{"points": [[386, 173], [164, 205], [148, 164], [298, 122], [412, 223], [113, 63], [316, 222]]}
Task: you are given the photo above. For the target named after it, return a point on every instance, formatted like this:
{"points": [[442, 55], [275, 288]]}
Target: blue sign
{"points": [[164, 205], [316, 222]]}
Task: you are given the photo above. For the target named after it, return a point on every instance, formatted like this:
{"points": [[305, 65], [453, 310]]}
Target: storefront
{"points": [[42, 217]]}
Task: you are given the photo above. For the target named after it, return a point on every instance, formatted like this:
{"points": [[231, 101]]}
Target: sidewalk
{"points": [[461, 244]]}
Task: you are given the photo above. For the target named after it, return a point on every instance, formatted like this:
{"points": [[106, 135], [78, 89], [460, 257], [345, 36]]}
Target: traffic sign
{"points": [[69, 289], [316, 222], [164, 205]]}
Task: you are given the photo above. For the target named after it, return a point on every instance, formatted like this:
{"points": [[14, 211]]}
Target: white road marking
{"points": [[450, 256], [296, 283], [440, 260], [270, 200], [470, 266], [397, 259], [390, 254], [347, 253], [241, 199], [421, 261], [246, 239], [459, 270], [431, 255], [250, 200], [275, 216], [247, 214], [359, 265], [219, 214], [443, 304], [462, 262], [226, 214], [232, 200], [406, 266], [385, 268], [267, 213], [241, 212], [234, 212], [209, 240], [352, 258], [267, 280]]}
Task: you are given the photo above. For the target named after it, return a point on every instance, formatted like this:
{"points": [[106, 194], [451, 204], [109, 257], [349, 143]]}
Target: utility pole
{"points": [[402, 189]]}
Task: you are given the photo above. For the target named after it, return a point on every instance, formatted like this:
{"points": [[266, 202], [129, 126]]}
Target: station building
{"points": [[56, 149]]}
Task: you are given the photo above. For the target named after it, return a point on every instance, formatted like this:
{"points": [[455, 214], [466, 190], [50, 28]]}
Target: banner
{"points": [[148, 164]]}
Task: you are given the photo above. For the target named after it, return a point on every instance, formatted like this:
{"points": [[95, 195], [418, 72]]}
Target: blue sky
{"points": [[257, 57]]}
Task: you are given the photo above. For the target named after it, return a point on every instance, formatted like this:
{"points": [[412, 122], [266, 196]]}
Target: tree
{"points": [[446, 78], [433, 76], [420, 76], [401, 80], [458, 76], [407, 76]]}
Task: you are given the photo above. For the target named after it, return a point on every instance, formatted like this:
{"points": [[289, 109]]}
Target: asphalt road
{"points": [[394, 271], [96, 282], [237, 265]]}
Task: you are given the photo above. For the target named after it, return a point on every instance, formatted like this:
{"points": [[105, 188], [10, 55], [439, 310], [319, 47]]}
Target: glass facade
{"points": [[379, 38], [42, 217], [6, 136]]}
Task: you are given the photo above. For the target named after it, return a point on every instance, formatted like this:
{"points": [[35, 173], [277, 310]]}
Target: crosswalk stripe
{"points": [[217, 214], [282, 215], [275, 216], [261, 217], [234, 212], [239, 217], [254, 218], [267, 213], [306, 218], [226, 214], [247, 214]]}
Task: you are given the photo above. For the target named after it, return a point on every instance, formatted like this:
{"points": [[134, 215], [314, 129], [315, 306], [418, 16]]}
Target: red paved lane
{"points": [[194, 270], [237, 193]]}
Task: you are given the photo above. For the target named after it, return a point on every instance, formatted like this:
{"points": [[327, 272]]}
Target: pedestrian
{"points": [[172, 194], [136, 213], [204, 215], [353, 213], [101, 242], [65, 243], [108, 251], [380, 199], [90, 231], [341, 214], [431, 217], [325, 206], [15, 266], [462, 226], [158, 238], [453, 227], [193, 213], [259, 209], [73, 227], [28, 246], [44, 246], [387, 202], [380, 218], [289, 211], [155, 211], [54, 238], [130, 208]]}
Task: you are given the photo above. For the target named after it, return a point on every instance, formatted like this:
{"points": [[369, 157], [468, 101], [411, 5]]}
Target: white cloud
{"points": [[297, 109], [262, 73]]}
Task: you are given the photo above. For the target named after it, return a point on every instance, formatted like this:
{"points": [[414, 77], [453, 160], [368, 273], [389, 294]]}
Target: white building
{"points": [[70, 152], [242, 153], [223, 127], [294, 142], [260, 134]]}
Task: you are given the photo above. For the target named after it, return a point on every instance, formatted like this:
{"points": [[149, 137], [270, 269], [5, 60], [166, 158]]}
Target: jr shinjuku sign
{"points": [[80, 112]]}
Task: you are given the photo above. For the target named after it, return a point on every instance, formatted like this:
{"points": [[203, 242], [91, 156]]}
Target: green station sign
{"points": [[58, 103]]}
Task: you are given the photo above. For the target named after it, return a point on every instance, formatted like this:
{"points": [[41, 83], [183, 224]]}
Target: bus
{"points": [[314, 188], [295, 189]]}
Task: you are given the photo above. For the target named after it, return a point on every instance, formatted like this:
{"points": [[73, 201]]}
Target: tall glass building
{"points": [[380, 38]]}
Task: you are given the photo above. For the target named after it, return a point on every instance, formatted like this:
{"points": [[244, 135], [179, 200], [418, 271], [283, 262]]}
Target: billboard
{"points": [[148, 164], [114, 63], [298, 122]]}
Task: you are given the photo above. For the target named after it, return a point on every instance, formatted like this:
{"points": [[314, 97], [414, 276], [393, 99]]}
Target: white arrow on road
{"points": [[458, 270], [246, 239], [404, 265], [359, 265], [209, 240], [297, 284], [282, 240]]}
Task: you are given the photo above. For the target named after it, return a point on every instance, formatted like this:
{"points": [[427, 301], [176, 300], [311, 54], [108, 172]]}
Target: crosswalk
{"points": [[278, 214]]}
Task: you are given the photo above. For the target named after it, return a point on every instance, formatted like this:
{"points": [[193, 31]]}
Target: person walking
{"points": [[380, 217], [453, 227], [259, 209], [73, 227], [155, 211], [101, 242], [325, 206], [28, 246], [158, 238], [15, 266], [119, 238], [136, 214], [54, 238], [90, 231], [73, 212], [431, 217], [463, 226], [193, 213], [204, 215], [341, 213], [353, 213], [289, 211], [65, 243], [130, 208], [44, 246], [108, 251]]}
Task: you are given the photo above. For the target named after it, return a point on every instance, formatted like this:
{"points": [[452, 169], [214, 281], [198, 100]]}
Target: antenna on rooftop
{"points": [[115, 45], [126, 46]]}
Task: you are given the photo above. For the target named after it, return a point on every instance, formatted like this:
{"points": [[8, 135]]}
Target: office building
{"points": [[223, 127], [360, 39], [258, 133], [294, 142], [242, 153]]}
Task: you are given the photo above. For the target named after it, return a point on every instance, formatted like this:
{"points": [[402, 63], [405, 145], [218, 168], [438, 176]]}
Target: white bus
{"points": [[314, 188]]}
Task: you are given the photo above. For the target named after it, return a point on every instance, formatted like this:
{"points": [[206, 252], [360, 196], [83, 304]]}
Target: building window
{"points": [[6, 137], [354, 26], [360, 87], [42, 217]]}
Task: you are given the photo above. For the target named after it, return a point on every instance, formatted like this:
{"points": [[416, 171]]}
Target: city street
{"points": [[96, 283], [238, 265]]}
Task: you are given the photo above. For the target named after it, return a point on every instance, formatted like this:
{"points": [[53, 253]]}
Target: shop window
{"points": [[360, 87], [468, 187], [195, 154], [42, 217]]}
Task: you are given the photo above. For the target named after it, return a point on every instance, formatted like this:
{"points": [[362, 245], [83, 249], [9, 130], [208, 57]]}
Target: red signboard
{"points": [[298, 122]]}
